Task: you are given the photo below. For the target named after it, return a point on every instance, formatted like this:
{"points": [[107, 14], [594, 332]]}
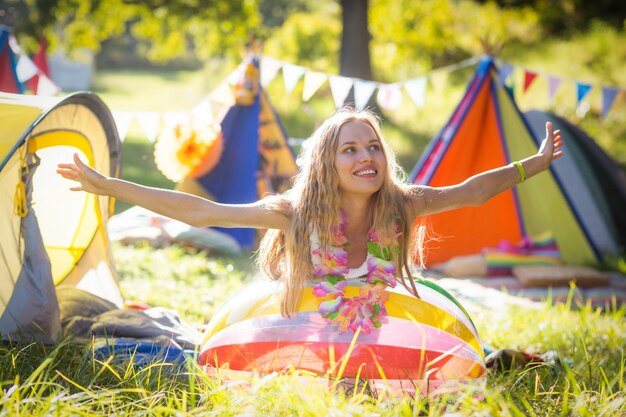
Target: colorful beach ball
{"points": [[424, 345]]}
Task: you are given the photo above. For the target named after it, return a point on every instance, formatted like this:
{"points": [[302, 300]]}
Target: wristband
{"points": [[520, 168]]}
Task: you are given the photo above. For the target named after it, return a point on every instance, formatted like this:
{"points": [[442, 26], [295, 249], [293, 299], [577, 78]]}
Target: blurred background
{"points": [[409, 59]]}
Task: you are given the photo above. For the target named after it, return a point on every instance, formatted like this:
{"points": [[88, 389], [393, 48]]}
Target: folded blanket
{"points": [[84, 315], [537, 250]]}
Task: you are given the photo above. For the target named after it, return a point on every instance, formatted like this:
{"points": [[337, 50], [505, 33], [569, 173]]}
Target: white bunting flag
{"points": [[149, 122], [439, 80], [203, 111], [312, 82], [173, 118], [269, 69], [291, 75], [363, 90], [389, 96], [45, 86], [25, 69], [340, 87], [417, 90], [123, 119]]}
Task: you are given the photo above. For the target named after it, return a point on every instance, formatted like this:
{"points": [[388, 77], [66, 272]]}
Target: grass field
{"points": [[67, 380]]}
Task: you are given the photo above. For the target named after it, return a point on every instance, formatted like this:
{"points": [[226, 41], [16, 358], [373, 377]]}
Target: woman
{"points": [[349, 215], [347, 167]]}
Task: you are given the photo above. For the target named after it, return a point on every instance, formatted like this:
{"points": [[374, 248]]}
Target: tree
{"points": [[354, 60], [211, 27]]}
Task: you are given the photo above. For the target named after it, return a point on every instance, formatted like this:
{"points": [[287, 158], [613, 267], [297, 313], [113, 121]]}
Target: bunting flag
{"points": [[123, 120], [340, 88], [45, 86], [504, 72], [363, 90], [581, 92], [529, 77], [41, 61], [25, 69], [553, 85], [439, 80], [313, 80], [173, 118], [204, 110], [269, 69], [291, 75], [608, 97], [417, 90], [389, 96], [149, 123]]}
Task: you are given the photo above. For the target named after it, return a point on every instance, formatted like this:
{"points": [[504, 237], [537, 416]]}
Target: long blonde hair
{"points": [[313, 204]]}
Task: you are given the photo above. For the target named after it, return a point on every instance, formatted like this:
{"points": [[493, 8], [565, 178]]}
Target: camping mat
{"points": [[495, 292]]}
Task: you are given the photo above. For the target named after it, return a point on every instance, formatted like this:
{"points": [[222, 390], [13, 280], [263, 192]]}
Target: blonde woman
{"points": [[349, 215]]}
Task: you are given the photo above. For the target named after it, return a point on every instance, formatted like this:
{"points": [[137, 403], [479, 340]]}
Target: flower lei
{"points": [[331, 262]]}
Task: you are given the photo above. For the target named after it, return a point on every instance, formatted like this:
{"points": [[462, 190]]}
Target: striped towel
{"points": [[541, 249]]}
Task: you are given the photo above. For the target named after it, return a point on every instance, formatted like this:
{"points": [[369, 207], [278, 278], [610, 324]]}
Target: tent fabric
{"points": [[605, 179], [487, 131], [9, 81], [60, 237], [256, 158]]}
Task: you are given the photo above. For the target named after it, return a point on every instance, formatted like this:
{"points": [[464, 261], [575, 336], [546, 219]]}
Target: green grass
{"points": [[68, 379]]}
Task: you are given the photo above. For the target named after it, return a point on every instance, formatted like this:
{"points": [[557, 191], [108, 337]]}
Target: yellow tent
{"points": [[50, 235]]}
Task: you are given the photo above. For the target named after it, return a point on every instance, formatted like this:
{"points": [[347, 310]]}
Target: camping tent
{"points": [[256, 158], [602, 199], [50, 235], [487, 131], [9, 81]]}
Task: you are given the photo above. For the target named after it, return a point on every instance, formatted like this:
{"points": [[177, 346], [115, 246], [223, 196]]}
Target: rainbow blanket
{"points": [[537, 250]]}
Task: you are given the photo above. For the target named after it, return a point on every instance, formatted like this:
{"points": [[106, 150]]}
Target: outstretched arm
{"points": [[191, 209], [479, 188]]}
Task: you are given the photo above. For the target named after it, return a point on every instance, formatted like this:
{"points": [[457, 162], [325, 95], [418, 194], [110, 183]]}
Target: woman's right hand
{"points": [[90, 180]]}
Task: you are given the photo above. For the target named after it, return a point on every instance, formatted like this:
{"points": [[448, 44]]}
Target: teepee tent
{"points": [[256, 158], [9, 81], [52, 236], [487, 131]]}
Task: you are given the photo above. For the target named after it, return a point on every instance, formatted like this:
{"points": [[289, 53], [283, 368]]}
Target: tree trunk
{"points": [[355, 53]]}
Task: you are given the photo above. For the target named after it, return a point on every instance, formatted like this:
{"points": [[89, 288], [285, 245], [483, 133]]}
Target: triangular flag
{"points": [[25, 68], [173, 118], [553, 85], [389, 96], [203, 111], [529, 77], [269, 69], [417, 90], [312, 82], [234, 76], [340, 87], [581, 91], [123, 119], [439, 80], [363, 90], [149, 122], [608, 97], [504, 72], [291, 75], [45, 86]]}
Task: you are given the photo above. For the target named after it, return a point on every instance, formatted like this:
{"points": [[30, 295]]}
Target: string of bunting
{"points": [[29, 71], [389, 96]]}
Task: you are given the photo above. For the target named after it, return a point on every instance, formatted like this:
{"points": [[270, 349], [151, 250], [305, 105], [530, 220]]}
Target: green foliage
{"points": [[215, 27], [435, 32], [310, 39]]}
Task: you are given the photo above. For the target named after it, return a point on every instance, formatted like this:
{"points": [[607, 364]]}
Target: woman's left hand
{"points": [[551, 147]]}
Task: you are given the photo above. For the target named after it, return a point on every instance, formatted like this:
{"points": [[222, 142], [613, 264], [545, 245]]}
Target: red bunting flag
{"points": [[529, 77]]}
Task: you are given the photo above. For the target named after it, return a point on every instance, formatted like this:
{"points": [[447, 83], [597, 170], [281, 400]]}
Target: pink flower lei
{"points": [[331, 262]]}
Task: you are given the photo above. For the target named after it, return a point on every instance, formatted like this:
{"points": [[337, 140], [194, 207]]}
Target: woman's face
{"points": [[360, 160]]}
